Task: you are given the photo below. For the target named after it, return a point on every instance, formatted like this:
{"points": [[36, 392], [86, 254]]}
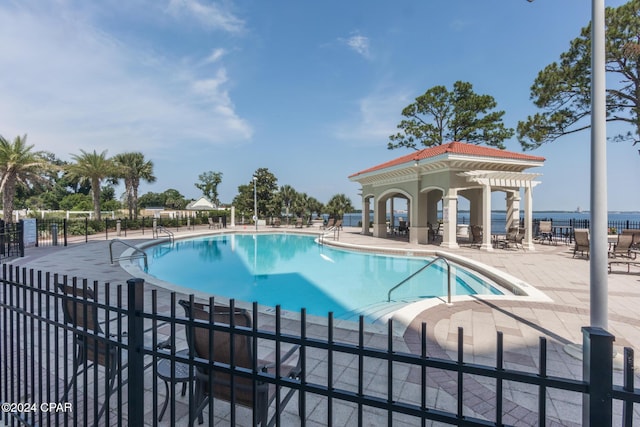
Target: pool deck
{"points": [[551, 269]]}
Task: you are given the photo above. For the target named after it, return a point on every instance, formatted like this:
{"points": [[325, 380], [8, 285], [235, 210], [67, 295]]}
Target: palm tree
{"points": [[132, 167], [314, 205], [299, 204], [18, 166], [339, 205], [287, 195], [92, 168]]}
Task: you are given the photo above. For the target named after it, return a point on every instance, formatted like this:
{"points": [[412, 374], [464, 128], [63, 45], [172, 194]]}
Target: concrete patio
{"points": [[551, 269]]}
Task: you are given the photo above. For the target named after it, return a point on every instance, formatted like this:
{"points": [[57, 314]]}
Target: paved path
{"points": [[551, 269]]}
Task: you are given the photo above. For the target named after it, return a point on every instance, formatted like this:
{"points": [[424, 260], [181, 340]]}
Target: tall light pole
{"points": [[255, 201], [599, 245]]}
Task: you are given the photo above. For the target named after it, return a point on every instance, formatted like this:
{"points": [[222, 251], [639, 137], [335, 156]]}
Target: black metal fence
{"points": [[11, 240], [59, 231], [86, 354]]}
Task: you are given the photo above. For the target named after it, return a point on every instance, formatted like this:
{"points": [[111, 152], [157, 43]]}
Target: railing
{"points": [[438, 258], [161, 229], [137, 253], [328, 232], [378, 383]]}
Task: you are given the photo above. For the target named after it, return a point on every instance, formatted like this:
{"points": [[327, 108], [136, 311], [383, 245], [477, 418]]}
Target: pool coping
{"points": [[401, 317]]}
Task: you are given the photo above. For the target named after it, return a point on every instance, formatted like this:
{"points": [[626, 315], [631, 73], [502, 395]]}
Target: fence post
{"points": [[64, 230], [86, 230], [21, 237], [135, 355], [597, 371]]}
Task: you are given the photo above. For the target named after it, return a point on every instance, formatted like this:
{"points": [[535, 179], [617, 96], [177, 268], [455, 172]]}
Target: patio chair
{"points": [[476, 235], [545, 231], [635, 244], [515, 235], [581, 237], [402, 227], [233, 349], [276, 222], [298, 223], [435, 235], [623, 247], [92, 345], [329, 223], [337, 225]]}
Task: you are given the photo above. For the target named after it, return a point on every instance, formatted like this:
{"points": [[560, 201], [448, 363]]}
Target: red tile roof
{"points": [[452, 148]]}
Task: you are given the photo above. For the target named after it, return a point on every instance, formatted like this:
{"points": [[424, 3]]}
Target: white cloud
{"points": [[215, 55], [212, 15], [358, 43], [69, 84], [376, 118]]}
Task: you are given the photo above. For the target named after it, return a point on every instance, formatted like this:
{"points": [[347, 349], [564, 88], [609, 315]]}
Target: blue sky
{"points": [[310, 90]]}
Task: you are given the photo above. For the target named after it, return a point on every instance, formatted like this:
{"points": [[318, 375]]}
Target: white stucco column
{"points": [[450, 219], [366, 213], [513, 209], [233, 216], [391, 218], [486, 218], [528, 218]]}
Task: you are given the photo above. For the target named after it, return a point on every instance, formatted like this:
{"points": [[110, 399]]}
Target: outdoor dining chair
{"points": [[581, 237], [93, 346], [224, 347], [545, 231]]}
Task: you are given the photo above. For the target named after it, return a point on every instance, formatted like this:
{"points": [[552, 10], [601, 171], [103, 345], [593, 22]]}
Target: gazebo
{"points": [[444, 173]]}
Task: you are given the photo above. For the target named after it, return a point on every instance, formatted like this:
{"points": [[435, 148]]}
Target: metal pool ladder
{"points": [[419, 271], [137, 253], [160, 229]]}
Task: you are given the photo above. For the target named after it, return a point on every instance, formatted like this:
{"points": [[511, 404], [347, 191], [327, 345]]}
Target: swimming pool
{"points": [[294, 271]]}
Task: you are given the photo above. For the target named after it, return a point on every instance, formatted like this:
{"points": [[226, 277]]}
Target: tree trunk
{"points": [[95, 190], [135, 202], [7, 198]]}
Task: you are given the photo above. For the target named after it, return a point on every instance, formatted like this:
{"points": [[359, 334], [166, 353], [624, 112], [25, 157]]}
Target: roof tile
{"points": [[452, 148]]}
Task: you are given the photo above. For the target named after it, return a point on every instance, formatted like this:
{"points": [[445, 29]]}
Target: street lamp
{"points": [[255, 201]]}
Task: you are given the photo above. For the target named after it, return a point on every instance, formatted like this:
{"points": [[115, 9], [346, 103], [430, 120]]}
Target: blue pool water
{"points": [[295, 272]]}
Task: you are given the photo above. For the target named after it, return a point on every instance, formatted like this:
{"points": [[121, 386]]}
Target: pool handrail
{"points": [[137, 253], [159, 228], [419, 271]]}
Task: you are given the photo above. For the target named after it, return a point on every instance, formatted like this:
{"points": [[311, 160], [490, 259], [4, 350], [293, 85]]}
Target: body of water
{"points": [[619, 220]]}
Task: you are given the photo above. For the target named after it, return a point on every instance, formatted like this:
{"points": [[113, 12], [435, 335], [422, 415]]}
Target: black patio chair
{"points": [[93, 346], [232, 349]]}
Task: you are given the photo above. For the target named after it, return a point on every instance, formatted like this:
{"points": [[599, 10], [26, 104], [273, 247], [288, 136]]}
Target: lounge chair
{"points": [[329, 224], [635, 244], [581, 237], [236, 350], [338, 224], [623, 247], [275, 222], [545, 232], [515, 236], [298, 223], [93, 346], [213, 223]]}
